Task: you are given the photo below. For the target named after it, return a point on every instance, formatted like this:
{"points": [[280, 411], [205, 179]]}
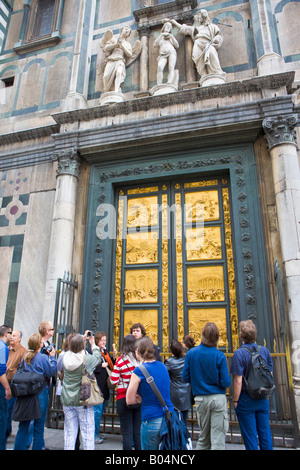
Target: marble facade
{"points": [[55, 132]]}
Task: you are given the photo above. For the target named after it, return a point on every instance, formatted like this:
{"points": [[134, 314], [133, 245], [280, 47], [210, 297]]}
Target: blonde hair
{"points": [[44, 326], [34, 344]]}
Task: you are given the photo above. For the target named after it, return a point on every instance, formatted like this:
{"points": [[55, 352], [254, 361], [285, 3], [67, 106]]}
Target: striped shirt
{"points": [[121, 374]]}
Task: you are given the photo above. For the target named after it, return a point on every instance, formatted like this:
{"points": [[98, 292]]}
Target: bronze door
{"points": [[174, 267]]}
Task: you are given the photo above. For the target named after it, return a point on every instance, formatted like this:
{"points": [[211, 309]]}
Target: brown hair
{"points": [[248, 331], [210, 335], [76, 343], [176, 348], [34, 343], [189, 341], [67, 341], [98, 336], [146, 348], [138, 325]]}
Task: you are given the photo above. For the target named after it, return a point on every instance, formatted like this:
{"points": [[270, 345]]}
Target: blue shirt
{"points": [[4, 352], [241, 361], [205, 368], [43, 364], [151, 407]]}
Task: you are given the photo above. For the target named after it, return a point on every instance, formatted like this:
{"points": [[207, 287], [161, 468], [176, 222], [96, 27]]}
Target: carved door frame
{"points": [[237, 164]]}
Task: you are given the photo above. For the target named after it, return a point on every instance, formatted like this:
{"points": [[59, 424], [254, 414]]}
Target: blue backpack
{"points": [[173, 432]]}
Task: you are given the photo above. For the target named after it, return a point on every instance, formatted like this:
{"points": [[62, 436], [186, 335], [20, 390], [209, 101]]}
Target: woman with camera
{"points": [[78, 416], [28, 409]]}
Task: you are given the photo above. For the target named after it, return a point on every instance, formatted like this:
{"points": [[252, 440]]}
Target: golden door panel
{"points": [[142, 212], [203, 243], [141, 286], [202, 206], [142, 248], [205, 284], [199, 317], [148, 318]]}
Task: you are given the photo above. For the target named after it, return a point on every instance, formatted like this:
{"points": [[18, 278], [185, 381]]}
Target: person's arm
{"points": [[116, 373], [237, 387], [5, 384], [186, 373], [132, 396]]}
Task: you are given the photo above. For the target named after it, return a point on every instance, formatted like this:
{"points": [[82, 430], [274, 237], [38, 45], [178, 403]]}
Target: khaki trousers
{"points": [[212, 418]]}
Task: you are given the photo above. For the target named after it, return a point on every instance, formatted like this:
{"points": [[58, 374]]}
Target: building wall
{"points": [[50, 112]]}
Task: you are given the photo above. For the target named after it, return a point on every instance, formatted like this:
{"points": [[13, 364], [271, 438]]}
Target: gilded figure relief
{"points": [[198, 317], [202, 206], [141, 286], [205, 284], [203, 243], [142, 212], [142, 248], [148, 318]]}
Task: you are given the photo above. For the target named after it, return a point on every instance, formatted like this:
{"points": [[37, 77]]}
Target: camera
{"points": [[47, 349], [89, 334]]}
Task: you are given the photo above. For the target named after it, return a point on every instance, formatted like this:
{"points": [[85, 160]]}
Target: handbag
{"points": [[90, 394], [110, 385], [174, 434]]}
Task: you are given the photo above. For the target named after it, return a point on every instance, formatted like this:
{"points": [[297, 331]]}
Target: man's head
{"points": [[46, 330], [16, 338], [248, 331], [138, 330], [5, 333]]}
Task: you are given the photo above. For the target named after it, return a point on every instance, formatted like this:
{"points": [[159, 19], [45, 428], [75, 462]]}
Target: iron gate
{"points": [[64, 324]]}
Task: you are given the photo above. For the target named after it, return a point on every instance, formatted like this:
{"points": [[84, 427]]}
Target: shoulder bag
{"points": [[174, 434], [90, 394], [27, 382]]}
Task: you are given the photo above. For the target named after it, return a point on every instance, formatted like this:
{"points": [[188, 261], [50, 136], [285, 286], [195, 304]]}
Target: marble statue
{"points": [[119, 54], [207, 39], [167, 45]]}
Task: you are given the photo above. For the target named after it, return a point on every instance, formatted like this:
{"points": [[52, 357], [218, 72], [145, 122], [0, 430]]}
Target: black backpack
{"points": [[260, 381], [27, 382]]}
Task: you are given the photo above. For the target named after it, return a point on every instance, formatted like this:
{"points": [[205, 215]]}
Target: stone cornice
{"points": [[184, 96], [160, 11], [238, 123], [28, 134]]}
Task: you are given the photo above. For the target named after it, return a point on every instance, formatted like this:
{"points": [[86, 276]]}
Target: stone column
{"points": [[63, 224], [281, 136], [144, 32], [269, 60]]}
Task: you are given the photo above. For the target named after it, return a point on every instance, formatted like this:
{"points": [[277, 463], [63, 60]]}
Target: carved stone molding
{"points": [[68, 162], [280, 130]]}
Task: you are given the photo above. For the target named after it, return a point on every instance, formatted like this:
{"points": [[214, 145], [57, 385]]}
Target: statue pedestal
{"points": [[111, 97], [213, 79], [163, 89]]}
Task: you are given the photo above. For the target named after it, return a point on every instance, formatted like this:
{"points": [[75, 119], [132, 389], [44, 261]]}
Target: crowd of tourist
{"points": [[193, 375]]}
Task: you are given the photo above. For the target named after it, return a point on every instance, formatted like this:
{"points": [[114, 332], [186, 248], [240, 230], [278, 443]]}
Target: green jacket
{"points": [[72, 364]]}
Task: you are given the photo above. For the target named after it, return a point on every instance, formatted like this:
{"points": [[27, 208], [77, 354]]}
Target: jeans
{"points": [[213, 421], [79, 417], [253, 417], [150, 434], [3, 418], [21, 442], [98, 411], [130, 420]]}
